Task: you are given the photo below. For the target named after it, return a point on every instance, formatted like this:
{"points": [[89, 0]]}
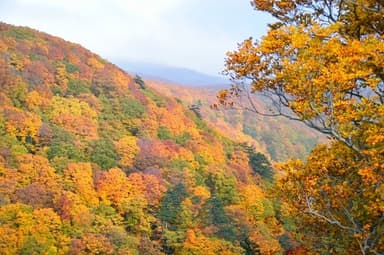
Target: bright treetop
{"points": [[322, 63]]}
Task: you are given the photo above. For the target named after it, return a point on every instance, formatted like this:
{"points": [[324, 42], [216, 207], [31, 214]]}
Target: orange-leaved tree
{"points": [[322, 63]]}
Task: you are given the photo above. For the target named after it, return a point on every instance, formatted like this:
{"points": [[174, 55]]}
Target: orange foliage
{"points": [[199, 244], [56, 98], [239, 163], [95, 63], [148, 185], [34, 101], [35, 168], [23, 125], [93, 244], [34, 231], [121, 80], [114, 188], [78, 177]]}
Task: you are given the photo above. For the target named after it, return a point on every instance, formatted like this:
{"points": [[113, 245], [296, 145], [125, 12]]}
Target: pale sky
{"points": [[193, 34]]}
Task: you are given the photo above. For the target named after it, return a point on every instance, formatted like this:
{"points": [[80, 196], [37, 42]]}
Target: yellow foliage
{"points": [[121, 80], [43, 226], [325, 70], [114, 188], [95, 63], [74, 115], [266, 246], [24, 125], [35, 168], [202, 193], [34, 100], [61, 76], [198, 244], [79, 176], [16, 61], [127, 149]]}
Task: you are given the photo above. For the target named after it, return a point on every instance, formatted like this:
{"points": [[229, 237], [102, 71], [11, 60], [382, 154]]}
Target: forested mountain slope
{"points": [[279, 138], [92, 162]]}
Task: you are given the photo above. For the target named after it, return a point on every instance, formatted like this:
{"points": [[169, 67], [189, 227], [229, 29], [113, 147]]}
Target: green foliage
{"points": [[122, 240], [158, 99], [105, 210], [269, 211], [70, 68], [107, 112], [200, 123], [139, 81], [214, 214], [171, 204], [34, 56], [199, 159], [131, 108], [77, 87], [163, 133], [260, 164], [227, 232], [229, 146], [112, 122], [62, 146], [2, 125], [217, 214], [183, 138], [12, 148], [18, 94], [104, 154], [223, 187], [173, 241], [178, 164], [64, 149], [57, 90], [21, 33], [35, 246]]}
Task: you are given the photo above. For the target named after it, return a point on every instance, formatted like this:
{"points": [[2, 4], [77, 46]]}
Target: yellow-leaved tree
{"points": [[322, 63]]}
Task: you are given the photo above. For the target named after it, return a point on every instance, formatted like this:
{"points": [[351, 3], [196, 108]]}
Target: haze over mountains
{"points": [[174, 75], [279, 138]]}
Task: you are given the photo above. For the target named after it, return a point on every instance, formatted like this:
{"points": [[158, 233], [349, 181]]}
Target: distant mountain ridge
{"points": [[176, 75], [279, 138]]}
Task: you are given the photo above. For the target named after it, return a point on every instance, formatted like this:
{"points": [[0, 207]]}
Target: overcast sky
{"points": [[194, 34]]}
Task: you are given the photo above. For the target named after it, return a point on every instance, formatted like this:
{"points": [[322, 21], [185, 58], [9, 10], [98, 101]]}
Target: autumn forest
{"points": [[94, 160]]}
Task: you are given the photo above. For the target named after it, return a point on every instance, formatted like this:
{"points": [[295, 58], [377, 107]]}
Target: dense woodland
{"points": [[322, 64], [92, 161], [278, 138]]}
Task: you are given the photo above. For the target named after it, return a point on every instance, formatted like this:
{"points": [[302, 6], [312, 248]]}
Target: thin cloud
{"points": [[187, 33]]}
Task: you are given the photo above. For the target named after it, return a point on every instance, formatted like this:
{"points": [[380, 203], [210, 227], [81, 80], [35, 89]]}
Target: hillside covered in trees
{"points": [[322, 64], [93, 161], [278, 138]]}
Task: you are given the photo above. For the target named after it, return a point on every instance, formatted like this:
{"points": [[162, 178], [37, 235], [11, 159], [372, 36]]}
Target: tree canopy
{"points": [[322, 63], [91, 162]]}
